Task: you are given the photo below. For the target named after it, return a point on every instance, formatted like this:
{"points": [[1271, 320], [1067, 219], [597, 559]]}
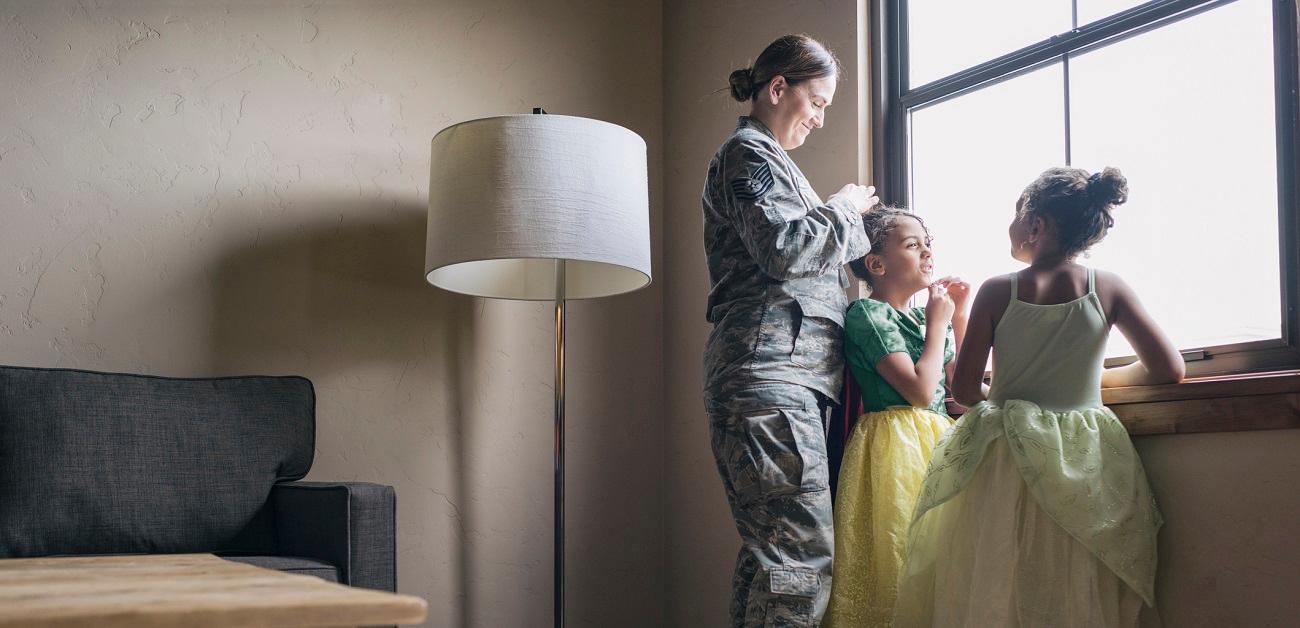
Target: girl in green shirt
{"points": [[900, 357]]}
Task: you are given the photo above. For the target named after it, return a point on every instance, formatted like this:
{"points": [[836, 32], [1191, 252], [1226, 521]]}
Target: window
{"points": [[1195, 101]]}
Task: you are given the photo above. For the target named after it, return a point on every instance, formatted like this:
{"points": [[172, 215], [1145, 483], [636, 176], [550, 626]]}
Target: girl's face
{"points": [[907, 260], [1018, 232], [797, 110], [1025, 234]]}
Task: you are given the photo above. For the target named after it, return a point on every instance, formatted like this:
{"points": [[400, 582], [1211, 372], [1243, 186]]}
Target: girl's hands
{"points": [[939, 309], [959, 291]]}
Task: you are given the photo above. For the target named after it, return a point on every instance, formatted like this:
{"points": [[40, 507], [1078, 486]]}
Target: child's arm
{"points": [[960, 292], [1158, 360], [917, 382], [967, 382]]}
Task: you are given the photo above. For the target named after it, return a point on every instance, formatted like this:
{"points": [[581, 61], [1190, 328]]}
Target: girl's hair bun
{"points": [[1108, 187], [742, 84], [1078, 203]]}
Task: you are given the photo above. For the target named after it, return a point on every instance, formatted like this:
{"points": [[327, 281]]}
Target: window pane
{"points": [[1187, 112], [971, 158], [1092, 10], [946, 37]]}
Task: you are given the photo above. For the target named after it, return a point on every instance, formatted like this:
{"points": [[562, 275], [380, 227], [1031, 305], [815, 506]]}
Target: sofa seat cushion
{"points": [[103, 463], [290, 564]]}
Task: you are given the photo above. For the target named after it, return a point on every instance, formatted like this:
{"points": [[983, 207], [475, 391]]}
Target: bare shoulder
{"points": [[1115, 293], [1107, 280], [993, 296], [997, 287]]}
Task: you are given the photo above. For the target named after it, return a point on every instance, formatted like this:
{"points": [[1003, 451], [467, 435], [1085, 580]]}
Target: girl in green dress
{"points": [[1036, 510], [900, 357]]}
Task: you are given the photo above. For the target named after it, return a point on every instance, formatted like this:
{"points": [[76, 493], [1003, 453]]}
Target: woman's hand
{"points": [[863, 197], [940, 307]]}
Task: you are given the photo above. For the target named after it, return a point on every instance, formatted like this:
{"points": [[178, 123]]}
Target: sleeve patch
{"points": [[755, 185]]}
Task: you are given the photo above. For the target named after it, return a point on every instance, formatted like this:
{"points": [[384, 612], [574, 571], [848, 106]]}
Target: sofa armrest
{"points": [[351, 525]]}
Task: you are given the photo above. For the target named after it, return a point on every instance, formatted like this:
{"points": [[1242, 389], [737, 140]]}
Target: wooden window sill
{"points": [[1233, 403], [1253, 401], [1225, 403]]}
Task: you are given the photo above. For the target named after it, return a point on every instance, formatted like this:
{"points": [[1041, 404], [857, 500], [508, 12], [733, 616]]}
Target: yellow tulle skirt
{"points": [[883, 469]]}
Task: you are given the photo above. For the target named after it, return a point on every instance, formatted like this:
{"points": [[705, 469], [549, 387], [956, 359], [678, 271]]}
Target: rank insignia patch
{"points": [[754, 186]]}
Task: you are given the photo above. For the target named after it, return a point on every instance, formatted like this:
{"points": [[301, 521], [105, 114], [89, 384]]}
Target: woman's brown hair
{"points": [[796, 57]]}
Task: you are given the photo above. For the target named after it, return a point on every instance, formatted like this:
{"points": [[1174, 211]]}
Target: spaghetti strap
{"points": [[1092, 281], [1015, 283]]}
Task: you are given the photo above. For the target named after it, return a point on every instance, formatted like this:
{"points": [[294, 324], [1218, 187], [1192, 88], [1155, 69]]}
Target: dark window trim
{"points": [[1117, 27], [1286, 63], [893, 100]]}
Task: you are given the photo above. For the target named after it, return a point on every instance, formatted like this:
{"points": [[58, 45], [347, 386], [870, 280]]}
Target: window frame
{"points": [[892, 99]]}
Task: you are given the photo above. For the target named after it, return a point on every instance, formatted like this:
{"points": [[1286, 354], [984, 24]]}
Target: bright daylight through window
{"points": [[1180, 96]]}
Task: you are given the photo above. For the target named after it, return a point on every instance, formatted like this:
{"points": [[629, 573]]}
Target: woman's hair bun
{"points": [[1108, 187], [742, 84]]}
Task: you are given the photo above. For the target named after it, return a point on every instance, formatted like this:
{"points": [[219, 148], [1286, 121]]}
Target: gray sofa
{"points": [[107, 463]]}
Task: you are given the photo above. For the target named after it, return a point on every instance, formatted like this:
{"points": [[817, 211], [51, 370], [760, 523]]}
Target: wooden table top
{"points": [[191, 590]]}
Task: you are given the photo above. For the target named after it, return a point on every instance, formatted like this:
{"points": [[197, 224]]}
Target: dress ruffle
{"points": [[1079, 466]]}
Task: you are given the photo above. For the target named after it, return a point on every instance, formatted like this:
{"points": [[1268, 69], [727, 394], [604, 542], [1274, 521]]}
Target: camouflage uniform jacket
{"points": [[775, 254]]}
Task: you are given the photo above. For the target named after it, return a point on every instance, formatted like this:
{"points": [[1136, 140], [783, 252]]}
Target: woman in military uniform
{"points": [[774, 358]]}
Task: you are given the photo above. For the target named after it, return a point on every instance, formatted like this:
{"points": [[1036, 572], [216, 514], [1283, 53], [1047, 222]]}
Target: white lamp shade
{"points": [[511, 196]]}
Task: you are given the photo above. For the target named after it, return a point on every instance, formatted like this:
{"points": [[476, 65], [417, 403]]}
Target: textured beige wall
{"points": [[703, 43], [1228, 550], [202, 188]]}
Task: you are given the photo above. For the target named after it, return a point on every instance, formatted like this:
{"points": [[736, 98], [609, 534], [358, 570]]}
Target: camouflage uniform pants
{"points": [[770, 447]]}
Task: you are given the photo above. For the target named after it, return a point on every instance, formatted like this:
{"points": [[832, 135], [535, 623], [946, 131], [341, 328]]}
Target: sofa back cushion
{"points": [[99, 463]]}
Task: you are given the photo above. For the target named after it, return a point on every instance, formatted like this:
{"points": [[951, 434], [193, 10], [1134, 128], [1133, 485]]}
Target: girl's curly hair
{"points": [[1078, 204], [879, 223]]}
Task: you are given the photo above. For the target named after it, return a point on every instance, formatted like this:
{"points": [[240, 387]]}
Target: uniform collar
{"points": [[748, 122]]}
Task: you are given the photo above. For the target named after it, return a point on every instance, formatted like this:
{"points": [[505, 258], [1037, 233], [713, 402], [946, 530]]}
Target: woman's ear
{"points": [[776, 88]]}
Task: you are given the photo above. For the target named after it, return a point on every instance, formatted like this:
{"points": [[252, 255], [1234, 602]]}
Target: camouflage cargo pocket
{"points": [[796, 614], [793, 592], [766, 453], [776, 332], [784, 598], [819, 336]]}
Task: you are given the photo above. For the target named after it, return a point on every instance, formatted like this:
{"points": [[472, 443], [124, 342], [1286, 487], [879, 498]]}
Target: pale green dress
{"points": [[1036, 510]]}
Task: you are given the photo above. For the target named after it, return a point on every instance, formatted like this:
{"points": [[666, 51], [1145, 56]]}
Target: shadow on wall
{"points": [[342, 300], [338, 293]]}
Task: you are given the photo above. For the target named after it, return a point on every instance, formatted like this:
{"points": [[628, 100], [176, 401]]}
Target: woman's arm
{"points": [[787, 238], [1158, 360]]}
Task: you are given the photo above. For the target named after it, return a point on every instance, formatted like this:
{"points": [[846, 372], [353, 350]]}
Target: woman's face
{"points": [[799, 109]]}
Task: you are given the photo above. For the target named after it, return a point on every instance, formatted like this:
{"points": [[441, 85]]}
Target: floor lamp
{"points": [[543, 208]]}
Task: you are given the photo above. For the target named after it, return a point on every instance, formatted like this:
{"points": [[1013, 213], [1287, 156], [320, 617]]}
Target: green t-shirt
{"points": [[874, 329]]}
